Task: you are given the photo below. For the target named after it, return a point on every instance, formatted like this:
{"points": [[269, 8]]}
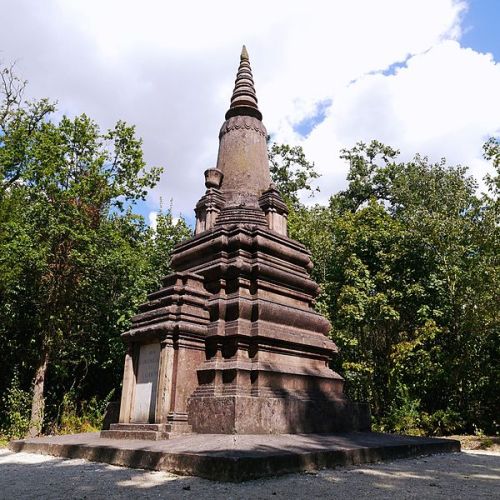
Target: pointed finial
{"points": [[244, 98], [244, 54]]}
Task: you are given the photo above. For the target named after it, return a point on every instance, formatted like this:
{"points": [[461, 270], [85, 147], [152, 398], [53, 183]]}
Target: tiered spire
{"points": [[244, 99]]}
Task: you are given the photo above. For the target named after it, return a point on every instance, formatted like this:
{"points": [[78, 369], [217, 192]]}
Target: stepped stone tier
{"points": [[232, 343]]}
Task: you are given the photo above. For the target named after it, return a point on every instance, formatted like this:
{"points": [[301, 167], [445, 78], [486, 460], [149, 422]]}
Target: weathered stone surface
{"points": [[241, 348], [111, 414], [147, 382], [154, 432], [264, 338], [244, 98], [275, 210], [239, 414], [239, 457], [243, 161], [174, 320]]}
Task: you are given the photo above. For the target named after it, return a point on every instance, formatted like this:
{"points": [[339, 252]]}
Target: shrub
{"points": [[83, 416], [17, 410], [442, 422]]}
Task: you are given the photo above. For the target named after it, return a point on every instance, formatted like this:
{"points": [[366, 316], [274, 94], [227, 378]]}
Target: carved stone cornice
{"points": [[179, 308], [243, 123], [272, 200]]}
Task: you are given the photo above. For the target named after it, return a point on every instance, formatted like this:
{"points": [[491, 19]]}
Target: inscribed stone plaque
{"points": [[146, 385]]}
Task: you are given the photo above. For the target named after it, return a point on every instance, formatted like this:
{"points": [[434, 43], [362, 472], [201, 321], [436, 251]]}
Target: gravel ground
{"points": [[466, 475]]}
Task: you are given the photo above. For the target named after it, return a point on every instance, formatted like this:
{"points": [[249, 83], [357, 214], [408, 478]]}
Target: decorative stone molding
{"points": [[237, 123], [175, 318], [213, 178]]}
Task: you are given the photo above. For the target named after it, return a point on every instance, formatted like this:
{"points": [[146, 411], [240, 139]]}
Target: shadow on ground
{"points": [[457, 475]]}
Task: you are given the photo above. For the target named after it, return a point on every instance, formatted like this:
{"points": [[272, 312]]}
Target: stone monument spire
{"points": [[242, 157], [231, 343], [244, 98]]}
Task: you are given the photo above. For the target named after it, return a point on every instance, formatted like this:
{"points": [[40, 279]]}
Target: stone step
{"points": [[140, 427], [135, 434]]}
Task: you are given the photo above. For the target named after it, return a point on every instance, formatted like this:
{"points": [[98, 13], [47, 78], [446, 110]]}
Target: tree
{"points": [[291, 172], [294, 175], [413, 291], [407, 260], [64, 180], [166, 235]]}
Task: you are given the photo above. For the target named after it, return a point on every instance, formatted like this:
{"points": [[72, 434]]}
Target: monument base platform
{"points": [[237, 457]]}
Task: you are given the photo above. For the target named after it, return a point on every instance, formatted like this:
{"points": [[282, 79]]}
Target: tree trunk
{"points": [[38, 403]]}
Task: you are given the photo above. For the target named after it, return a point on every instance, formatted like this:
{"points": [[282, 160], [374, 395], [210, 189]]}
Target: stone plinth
{"points": [[275, 415]]}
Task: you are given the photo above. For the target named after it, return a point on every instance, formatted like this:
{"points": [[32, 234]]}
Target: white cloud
{"points": [[153, 218], [442, 103], [169, 67]]}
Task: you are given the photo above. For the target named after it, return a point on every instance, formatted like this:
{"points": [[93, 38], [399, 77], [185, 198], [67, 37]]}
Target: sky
{"points": [[419, 75]]}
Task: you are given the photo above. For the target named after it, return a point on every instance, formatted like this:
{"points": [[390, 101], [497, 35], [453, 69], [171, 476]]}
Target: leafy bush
{"points": [[17, 410], [83, 416], [442, 422], [404, 416]]}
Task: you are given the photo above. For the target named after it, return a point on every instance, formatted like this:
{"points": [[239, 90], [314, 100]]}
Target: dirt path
{"points": [[466, 475]]}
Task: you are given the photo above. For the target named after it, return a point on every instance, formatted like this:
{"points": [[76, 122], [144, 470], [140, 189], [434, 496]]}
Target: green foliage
{"points": [[75, 261], [17, 404], [406, 416], [442, 422], [407, 258], [81, 416], [291, 172], [403, 415], [167, 234], [408, 262], [491, 150]]}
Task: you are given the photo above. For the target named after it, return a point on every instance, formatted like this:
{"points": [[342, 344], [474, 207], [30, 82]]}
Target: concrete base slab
{"points": [[226, 457]]}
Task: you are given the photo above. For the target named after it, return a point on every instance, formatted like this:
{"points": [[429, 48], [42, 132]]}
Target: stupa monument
{"points": [[232, 344]]}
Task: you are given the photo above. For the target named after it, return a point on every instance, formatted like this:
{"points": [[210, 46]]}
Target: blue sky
{"points": [[481, 27], [480, 31], [411, 73]]}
